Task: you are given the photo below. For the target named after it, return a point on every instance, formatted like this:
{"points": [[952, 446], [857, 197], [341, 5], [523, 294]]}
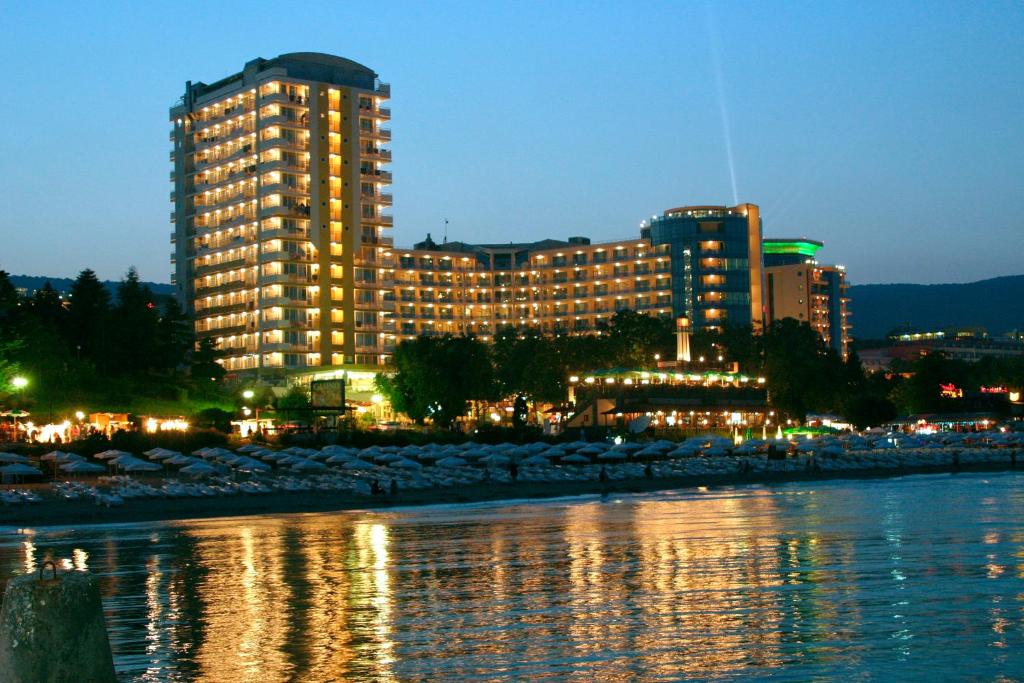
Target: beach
{"points": [[86, 512]]}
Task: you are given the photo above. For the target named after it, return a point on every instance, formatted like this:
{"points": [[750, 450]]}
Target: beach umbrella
{"points": [[616, 454], [308, 466], [536, 461], [451, 461], [357, 464], [252, 465], [13, 458], [20, 470], [592, 449], [111, 454], [82, 467], [496, 460], [340, 459], [576, 459], [198, 469], [141, 466], [405, 464], [54, 456], [251, 448]]}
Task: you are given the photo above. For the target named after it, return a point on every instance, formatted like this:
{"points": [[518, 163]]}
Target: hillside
{"points": [[996, 304], [63, 284]]}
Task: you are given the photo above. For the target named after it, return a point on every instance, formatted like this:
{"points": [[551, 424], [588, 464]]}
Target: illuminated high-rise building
{"points": [[717, 266], [279, 212], [799, 287]]}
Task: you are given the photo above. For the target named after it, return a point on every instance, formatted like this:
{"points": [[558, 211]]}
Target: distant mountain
{"points": [[31, 283], [996, 304]]}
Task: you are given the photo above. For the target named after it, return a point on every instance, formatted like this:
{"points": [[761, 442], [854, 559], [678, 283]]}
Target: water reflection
{"points": [[833, 579]]}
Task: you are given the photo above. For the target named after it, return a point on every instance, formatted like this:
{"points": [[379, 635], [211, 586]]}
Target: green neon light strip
{"points": [[791, 247]]}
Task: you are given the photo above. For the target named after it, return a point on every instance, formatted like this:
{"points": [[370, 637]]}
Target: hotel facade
{"points": [[281, 254], [280, 209], [798, 286]]}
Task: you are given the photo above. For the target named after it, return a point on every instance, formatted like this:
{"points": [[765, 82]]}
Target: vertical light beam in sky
{"points": [[716, 65]]}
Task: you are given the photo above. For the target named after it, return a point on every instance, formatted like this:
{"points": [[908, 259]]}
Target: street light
{"points": [[19, 382], [248, 394]]}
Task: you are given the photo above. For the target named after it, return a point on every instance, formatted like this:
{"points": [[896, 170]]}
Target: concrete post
{"points": [[52, 629]]}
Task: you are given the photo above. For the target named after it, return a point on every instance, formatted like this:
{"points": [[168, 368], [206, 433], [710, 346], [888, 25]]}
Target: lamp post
{"points": [[248, 395], [18, 382]]}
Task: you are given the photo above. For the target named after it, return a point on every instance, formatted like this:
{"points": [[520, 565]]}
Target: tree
{"points": [[528, 364], [802, 373], [175, 338], [134, 327], [636, 338], [437, 377], [88, 318], [206, 372]]}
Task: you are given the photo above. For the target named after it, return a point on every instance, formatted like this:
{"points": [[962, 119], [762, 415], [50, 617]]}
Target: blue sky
{"points": [[892, 131]]}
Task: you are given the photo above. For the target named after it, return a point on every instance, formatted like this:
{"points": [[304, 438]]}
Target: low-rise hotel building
{"points": [[799, 287]]}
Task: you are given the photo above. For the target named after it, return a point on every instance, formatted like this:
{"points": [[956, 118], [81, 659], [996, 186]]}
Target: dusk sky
{"points": [[894, 132]]}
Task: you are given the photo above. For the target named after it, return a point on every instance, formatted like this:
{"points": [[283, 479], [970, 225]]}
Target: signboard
{"points": [[327, 394]]}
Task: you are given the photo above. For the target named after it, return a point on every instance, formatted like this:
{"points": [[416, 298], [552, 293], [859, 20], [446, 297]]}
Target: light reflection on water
{"points": [[919, 577]]}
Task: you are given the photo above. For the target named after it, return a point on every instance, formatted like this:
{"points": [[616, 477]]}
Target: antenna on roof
{"points": [[445, 231]]}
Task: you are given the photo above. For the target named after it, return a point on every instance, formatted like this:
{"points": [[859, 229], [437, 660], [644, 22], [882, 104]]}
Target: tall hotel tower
{"points": [[279, 212]]}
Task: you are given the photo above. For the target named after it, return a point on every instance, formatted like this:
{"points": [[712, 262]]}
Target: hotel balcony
{"points": [[382, 113], [270, 347], [223, 288], [286, 302], [285, 255], [376, 154], [286, 233], [285, 211], [229, 138], [228, 201], [223, 309], [283, 164], [231, 222], [300, 122], [380, 219], [288, 279], [382, 134], [283, 98], [227, 331], [377, 176], [282, 324], [301, 190], [284, 143], [234, 264], [223, 179]]}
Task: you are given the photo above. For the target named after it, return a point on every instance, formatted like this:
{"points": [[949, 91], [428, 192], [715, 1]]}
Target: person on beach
{"points": [[394, 486], [513, 471], [648, 471], [375, 489], [603, 476]]}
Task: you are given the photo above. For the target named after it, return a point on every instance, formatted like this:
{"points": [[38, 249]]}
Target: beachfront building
{"points": [[717, 268], [693, 261], [798, 286], [280, 212], [553, 286], [693, 399]]}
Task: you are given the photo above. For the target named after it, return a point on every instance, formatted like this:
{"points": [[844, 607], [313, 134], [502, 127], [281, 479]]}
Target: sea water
{"points": [[911, 578]]}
